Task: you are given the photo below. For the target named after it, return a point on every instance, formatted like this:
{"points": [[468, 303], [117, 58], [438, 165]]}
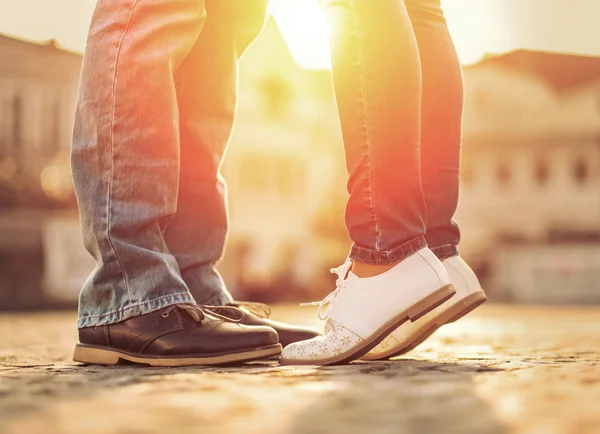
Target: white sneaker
{"points": [[469, 295], [361, 312]]}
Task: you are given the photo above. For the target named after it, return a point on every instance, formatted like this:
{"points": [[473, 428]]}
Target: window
{"points": [[254, 173], [277, 95], [482, 100], [55, 128], [503, 174], [542, 172], [5, 124], [580, 171], [17, 122], [467, 175], [290, 176]]}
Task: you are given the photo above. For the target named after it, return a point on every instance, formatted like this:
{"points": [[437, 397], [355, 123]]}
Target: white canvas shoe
{"points": [[361, 312], [407, 337]]}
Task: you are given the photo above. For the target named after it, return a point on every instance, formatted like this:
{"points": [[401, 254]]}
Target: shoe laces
{"points": [[324, 305], [226, 313], [199, 312]]}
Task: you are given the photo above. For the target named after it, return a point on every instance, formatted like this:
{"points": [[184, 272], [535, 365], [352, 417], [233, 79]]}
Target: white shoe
{"points": [[469, 295], [361, 312]]}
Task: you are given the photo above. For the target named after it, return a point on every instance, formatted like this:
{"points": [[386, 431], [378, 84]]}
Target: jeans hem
{"points": [[399, 253], [445, 251], [132, 311]]}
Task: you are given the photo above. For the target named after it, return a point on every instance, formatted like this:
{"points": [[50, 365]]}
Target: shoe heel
{"points": [[467, 305], [95, 356], [431, 302]]}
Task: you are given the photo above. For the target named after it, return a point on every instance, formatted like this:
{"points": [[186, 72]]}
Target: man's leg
{"points": [[135, 306], [377, 80], [125, 155], [206, 88], [441, 123]]}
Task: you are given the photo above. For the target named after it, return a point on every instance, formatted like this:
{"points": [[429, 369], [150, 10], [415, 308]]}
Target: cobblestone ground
{"points": [[501, 370]]}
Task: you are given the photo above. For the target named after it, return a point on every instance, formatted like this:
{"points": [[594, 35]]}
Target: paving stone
{"points": [[504, 369]]}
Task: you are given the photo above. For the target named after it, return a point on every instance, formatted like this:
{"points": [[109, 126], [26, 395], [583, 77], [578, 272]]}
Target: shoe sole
{"points": [[454, 313], [93, 355], [418, 310]]}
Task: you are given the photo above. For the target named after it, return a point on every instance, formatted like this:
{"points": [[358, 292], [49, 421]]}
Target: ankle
{"points": [[363, 269]]}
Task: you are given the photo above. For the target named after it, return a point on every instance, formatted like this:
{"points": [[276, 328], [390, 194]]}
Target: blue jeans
{"points": [[154, 116], [399, 90]]}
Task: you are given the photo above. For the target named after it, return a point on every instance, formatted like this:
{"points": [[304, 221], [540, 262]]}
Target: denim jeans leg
{"points": [[440, 124], [125, 155], [206, 86], [377, 80]]}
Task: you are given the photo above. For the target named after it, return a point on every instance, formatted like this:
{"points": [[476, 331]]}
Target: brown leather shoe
{"points": [[257, 314], [178, 335]]}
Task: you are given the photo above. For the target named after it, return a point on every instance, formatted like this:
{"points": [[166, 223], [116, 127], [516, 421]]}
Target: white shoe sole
{"points": [[453, 313], [415, 312], [93, 355]]}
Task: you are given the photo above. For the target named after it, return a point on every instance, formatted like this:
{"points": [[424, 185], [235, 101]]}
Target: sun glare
{"points": [[476, 26], [304, 28]]}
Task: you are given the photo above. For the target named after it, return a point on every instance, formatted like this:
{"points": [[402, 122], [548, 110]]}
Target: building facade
{"points": [[285, 167], [38, 91], [530, 191], [531, 167]]}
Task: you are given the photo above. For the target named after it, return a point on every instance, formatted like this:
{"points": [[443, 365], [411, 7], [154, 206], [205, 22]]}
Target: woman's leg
{"points": [[440, 154], [441, 118], [377, 78]]}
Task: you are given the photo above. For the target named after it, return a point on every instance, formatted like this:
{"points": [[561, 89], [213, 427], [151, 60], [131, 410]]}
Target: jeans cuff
{"points": [[397, 254], [134, 310], [445, 251]]}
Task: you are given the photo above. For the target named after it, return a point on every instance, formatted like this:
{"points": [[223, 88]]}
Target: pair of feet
{"points": [[372, 318], [188, 335]]}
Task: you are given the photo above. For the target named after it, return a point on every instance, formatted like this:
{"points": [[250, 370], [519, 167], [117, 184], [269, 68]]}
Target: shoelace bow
{"points": [[199, 312], [340, 284]]}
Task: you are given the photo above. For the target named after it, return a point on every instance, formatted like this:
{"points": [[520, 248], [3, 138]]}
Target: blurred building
{"points": [[531, 175], [38, 88], [530, 195], [38, 91], [285, 169]]}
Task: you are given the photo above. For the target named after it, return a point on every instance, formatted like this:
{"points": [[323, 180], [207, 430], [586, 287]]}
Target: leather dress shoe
{"points": [[257, 314], [178, 335]]}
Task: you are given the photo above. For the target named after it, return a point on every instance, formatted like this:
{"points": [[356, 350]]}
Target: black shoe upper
{"points": [[257, 314], [179, 330]]}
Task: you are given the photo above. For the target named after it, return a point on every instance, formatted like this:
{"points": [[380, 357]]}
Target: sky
{"points": [[477, 26]]}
